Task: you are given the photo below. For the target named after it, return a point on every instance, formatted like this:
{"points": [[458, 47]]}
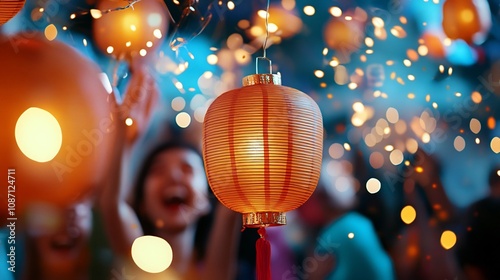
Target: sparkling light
{"points": [[373, 185], [38, 134], [408, 214], [459, 143], [448, 239], [183, 119], [495, 145], [475, 125], [335, 11], [309, 10], [151, 253]]}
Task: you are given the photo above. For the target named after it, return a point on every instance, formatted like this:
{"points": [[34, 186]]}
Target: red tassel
{"points": [[263, 256]]}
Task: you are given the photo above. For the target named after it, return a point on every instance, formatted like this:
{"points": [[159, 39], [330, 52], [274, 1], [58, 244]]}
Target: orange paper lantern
{"points": [[262, 148], [57, 127], [469, 20], [9, 8], [131, 32]]}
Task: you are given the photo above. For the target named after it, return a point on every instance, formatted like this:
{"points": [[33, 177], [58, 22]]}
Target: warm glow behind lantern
{"points": [[130, 32], [38, 134], [469, 20], [262, 148]]}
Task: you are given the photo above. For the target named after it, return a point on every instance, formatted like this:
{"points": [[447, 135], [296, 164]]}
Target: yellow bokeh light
{"points": [[358, 107], [50, 32], [183, 119], [459, 143], [178, 103], [476, 97], [495, 145], [475, 125], [157, 33], [373, 185], [95, 13], [396, 157], [408, 214], [378, 22], [38, 134], [335, 11], [309, 10], [129, 121], [336, 151], [422, 50], [151, 253], [491, 123], [319, 73], [448, 239], [392, 115], [350, 235], [212, 59]]}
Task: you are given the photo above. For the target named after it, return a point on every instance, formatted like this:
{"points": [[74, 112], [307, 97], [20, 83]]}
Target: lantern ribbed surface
{"points": [[9, 8], [262, 148]]}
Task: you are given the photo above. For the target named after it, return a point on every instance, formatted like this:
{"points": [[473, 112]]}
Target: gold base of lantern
{"points": [[261, 219]]}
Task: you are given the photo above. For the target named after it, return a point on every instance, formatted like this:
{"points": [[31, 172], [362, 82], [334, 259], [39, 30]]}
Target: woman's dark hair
{"points": [[203, 224]]}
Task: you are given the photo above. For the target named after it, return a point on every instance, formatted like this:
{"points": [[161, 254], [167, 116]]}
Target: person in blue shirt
{"points": [[347, 246]]}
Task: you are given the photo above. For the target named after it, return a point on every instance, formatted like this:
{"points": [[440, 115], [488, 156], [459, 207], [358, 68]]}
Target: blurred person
{"points": [[168, 199], [417, 251], [347, 246], [480, 250], [57, 241]]}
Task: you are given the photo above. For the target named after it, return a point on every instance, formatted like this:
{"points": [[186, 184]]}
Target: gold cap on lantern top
{"points": [[262, 79], [260, 219]]}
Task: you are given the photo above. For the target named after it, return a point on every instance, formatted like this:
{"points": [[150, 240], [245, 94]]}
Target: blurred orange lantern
{"points": [[57, 127], [469, 20], [344, 36], [130, 32], [8, 9], [434, 44], [262, 148]]}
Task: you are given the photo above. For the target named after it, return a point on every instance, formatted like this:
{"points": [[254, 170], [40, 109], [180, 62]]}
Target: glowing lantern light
{"points": [[262, 148], [469, 20], [57, 128], [151, 253], [8, 9], [128, 31], [38, 134]]}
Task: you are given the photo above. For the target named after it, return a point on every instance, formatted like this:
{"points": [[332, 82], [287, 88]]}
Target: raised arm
{"points": [[222, 249], [120, 221]]}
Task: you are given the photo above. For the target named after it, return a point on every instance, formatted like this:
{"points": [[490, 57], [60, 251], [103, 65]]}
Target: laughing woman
{"points": [[168, 200]]}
